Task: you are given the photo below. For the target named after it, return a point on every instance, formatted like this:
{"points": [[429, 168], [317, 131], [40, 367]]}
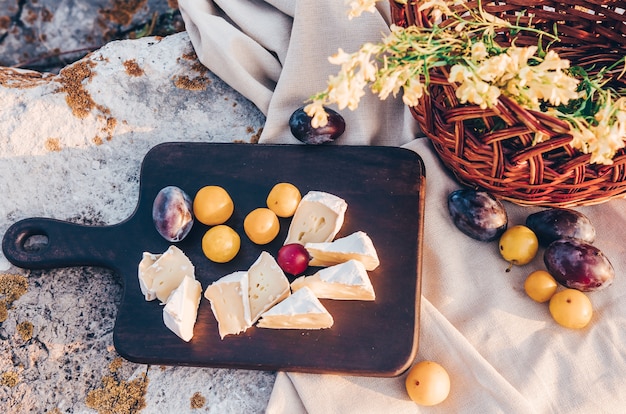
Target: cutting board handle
{"points": [[43, 243]]}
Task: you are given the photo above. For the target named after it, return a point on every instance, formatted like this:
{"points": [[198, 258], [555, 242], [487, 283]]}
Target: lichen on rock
{"points": [[9, 379], [12, 286], [117, 395], [72, 79]]}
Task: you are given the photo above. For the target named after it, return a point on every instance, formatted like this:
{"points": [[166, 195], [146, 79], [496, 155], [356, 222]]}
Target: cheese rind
{"points": [[301, 310], [146, 278], [229, 303], [344, 281], [318, 218], [160, 274], [181, 310], [267, 285], [357, 246]]}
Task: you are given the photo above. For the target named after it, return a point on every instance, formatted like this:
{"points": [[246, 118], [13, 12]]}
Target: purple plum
{"points": [[579, 265], [478, 214], [172, 213], [560, 223], [301, 128]]}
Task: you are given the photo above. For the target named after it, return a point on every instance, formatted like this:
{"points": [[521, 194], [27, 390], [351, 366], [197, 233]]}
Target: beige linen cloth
{"points": [[503, 351]]}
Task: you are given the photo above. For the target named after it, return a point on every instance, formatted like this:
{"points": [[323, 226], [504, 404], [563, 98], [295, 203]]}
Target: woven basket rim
{"points": [[505, 162]]}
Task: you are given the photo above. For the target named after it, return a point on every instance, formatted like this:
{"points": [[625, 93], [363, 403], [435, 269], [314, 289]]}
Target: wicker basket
{"points": [[504, 162]]}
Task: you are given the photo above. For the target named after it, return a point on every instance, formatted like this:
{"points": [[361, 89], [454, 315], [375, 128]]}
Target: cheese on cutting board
{"points": [[301, 310], [145, 278], [267, 285], [344, 281], [160, 274], [181, 310], [318, 218], [229, 303], [358, 246]]}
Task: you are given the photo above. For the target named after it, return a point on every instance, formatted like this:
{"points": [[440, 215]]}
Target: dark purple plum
{"points": [[559, 223], [172, 213], [301, 128], [478, 214], [579, 265]]}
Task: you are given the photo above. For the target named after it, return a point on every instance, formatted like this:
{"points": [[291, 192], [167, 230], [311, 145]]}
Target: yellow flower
{"points": [[606, 137], [413, 91], [554, 87], [493, 68], [552, 61], [345, 91], [478, 93], [342, 58], [364, 60], [473, 87], [391, 84], [459, 73], [497, 22], [526, 75], [582, 137], [481, 68], [540, 137], [518, 62], [479, 52], [491, 96], [439, 8], [357, 7], [319, 117], [606, 144]]}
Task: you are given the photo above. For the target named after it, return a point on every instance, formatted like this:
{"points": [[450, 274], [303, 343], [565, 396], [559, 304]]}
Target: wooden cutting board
{"points": [[384, 189]]}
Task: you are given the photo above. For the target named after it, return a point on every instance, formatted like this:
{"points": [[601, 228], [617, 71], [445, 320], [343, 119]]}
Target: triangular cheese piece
{"points": [[318, 218], [160, 274], [301, 310], [267, 285], [358, 246], [345, 281], [229, 303], [181, 310]]}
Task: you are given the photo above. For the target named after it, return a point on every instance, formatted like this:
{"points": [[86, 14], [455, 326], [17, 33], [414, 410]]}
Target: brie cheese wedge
{"points": [[358, 246], [160, 274], [267, 285], [344, 281], [146, 278], [318, 218], [301, 310], [181, 309], [229, 303]]}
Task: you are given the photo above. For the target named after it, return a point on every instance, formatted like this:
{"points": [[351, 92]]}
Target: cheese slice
{"points": [[345, 281], [267, 285], [181, 310], [318, 218], [146, 278], [301, 310], [358, 246], [160, 274], [229, 303]]}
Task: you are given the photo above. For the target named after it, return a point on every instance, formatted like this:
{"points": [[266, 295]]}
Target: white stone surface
{"points": [[84, 167]]}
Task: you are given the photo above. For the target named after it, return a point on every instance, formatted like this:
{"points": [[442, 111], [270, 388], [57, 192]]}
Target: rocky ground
{"points": [[72, 138], [46, 35]]}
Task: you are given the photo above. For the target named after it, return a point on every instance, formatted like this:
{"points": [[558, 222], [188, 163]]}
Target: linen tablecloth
{"points": [[503, 351]]}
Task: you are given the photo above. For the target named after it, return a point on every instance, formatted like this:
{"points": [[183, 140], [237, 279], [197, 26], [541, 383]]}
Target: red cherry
{"points": [[293, 258]]}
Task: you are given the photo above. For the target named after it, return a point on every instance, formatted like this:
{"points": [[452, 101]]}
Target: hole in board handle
{"points": [[33, 243]]}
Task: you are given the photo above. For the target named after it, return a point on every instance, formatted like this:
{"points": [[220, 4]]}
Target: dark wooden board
{"points": [[384, 189]]}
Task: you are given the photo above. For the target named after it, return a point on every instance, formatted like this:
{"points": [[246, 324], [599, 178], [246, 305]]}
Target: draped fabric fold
{"points": [[503, 351], [275, 53]]}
